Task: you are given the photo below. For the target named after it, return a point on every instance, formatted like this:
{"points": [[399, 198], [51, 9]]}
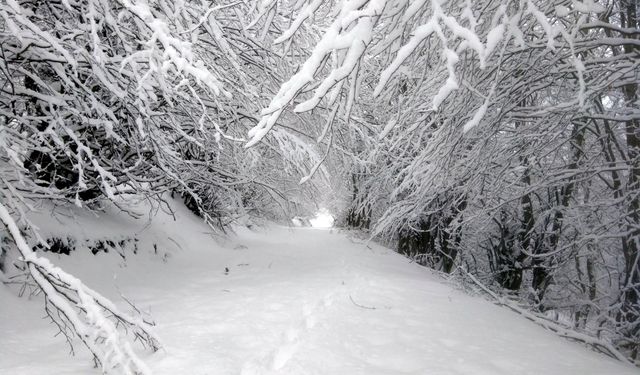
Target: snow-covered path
{"points": [[298, 301]]}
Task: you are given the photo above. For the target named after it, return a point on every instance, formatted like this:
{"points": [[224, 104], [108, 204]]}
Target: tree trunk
{"points": [[631, 288]]}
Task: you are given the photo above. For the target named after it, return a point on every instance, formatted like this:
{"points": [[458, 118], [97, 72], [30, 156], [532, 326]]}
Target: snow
{"points": [[582, 85], [421, 33], [450, 84], [337, 37], [477, 117], [493, 38], [549, 30], [308, 12], [588, 6], [562, 11], [294, 301]]}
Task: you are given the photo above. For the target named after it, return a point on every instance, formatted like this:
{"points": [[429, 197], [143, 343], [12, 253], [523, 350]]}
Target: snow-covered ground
{"points": [[294, 301]]}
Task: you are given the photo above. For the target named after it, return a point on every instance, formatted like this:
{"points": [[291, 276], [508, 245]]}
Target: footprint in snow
{"points": [[283, 355]]}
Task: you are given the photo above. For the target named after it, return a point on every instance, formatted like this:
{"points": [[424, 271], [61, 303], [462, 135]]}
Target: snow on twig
{"points": [[84, 312]]}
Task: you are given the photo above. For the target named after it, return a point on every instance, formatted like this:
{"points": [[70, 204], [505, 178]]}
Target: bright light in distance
{"points": [[323, 219]]}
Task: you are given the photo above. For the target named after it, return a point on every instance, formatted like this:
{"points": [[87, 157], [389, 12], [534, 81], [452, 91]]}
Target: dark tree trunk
{"points": [[631, 293]]}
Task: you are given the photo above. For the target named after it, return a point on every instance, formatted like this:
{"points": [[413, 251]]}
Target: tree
{"points": [[494, 137], [504, 140], [102, 99]]}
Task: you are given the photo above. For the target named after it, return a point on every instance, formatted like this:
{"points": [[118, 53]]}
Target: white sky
{"points": [[323, 219]]}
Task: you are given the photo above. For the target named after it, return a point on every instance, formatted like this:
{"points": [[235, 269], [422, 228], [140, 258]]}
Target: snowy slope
{"points": [[295, 301]]}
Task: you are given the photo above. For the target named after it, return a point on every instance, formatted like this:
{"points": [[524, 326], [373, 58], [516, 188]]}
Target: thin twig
{"points": [[359, 305]]}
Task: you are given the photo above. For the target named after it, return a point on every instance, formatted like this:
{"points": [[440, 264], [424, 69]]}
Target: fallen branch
{"points": [[601, 345], [359, 305], [79, 311]]}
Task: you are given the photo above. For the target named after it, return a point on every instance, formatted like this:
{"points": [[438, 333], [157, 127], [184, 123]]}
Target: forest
{"points": [[496, 142]]}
